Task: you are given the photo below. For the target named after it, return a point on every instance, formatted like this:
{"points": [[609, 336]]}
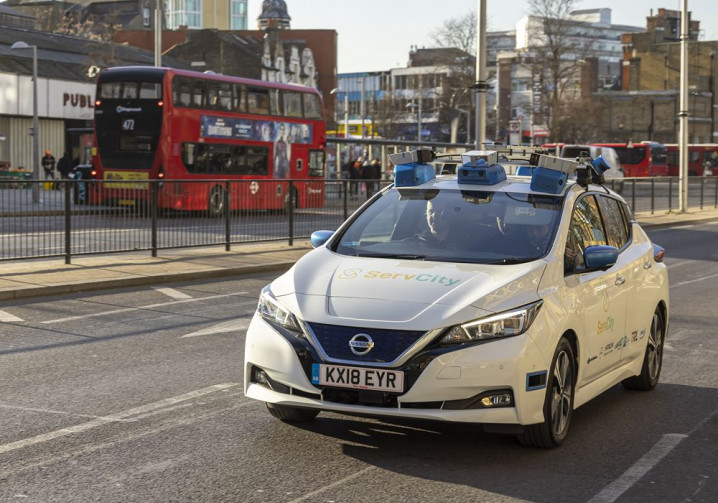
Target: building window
{"points": [[184, 13], [238, 16]]}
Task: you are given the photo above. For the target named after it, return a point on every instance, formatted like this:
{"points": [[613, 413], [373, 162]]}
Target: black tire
{"points": [[215, 202], [558, 404], [652, 359], [292, 414]]}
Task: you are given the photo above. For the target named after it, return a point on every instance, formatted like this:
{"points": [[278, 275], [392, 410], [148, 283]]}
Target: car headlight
{"points": [[507, 324], [276, 314]]}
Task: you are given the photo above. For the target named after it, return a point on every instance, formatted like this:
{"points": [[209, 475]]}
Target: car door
{"points": [[602, 305], [639, 306], [628, 274]]}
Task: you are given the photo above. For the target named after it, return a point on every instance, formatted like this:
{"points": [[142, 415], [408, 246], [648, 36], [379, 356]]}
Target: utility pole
{"points": [[481, 85], [158, 32], [683, 115]]}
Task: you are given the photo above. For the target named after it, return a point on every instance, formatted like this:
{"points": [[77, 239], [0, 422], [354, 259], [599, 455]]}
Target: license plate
{"points": [[126, 202], [358, 378]]}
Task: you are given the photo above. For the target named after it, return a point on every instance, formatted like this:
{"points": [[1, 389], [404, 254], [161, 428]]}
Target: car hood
{"points": [[326, 287]]}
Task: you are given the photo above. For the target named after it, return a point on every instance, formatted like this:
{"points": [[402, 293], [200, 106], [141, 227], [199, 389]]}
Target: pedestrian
{"points": [[371, 175], [64, 166], [48, 164], [355, 174]]}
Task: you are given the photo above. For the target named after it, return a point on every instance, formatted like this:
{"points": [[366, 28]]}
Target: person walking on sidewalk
{"points": [[48, 164], [64, 166]]}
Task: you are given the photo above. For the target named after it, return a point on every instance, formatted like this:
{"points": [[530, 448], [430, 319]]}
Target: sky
{"points": [[377, 35]]}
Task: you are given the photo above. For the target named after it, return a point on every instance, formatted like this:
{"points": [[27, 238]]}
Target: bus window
{"points": [[197, 93], [312, 106], [240, 98], [129, 90], [150, 91], [258, 101], [274, 106], [110, 90], [292, 104], [219, 95], [181, 91], [224, 159]]}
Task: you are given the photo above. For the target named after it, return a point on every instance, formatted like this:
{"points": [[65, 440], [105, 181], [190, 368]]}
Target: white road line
{"points": [[6, 317], [119, 416], [171, 292], [330, 486], [678, 264], [221, 328], [151, 306], [673, 285], [613, 491]]}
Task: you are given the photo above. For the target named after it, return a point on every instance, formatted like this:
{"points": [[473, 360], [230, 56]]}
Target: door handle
{"points": [[620, 280], [647, 265]]}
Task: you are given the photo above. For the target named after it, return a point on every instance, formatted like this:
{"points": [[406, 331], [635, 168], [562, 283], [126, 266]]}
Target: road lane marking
{"points": [[112, 418], [673, 285], [7, 317], [221, 328], [139, 308], [334, 484], [51, 411], [171, 292], [613, 491]]}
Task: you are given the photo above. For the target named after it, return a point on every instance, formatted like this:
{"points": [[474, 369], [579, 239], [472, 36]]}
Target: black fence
{"points": [[71, 218]]}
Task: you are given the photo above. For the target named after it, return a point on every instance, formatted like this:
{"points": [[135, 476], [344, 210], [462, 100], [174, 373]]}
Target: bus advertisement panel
{"points": [[647, 158], [180, 126]]}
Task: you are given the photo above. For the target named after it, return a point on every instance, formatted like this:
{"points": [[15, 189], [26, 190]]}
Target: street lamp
{"points": [[418, 123], [337, 90], [35, 147]]}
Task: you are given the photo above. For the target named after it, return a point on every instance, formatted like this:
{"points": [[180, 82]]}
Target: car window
{"points": [[616, 225], [586, 230]]}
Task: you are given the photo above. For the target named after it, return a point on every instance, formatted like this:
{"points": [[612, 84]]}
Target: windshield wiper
{"points": [[406, 256], [511, 260]]}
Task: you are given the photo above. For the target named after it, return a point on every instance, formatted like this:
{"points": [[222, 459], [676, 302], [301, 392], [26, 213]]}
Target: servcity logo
{"points": [[354, 273]]}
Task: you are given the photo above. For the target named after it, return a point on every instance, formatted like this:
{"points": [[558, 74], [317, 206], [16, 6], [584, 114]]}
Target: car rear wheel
{"points": [[558, 404], [652, 359], [292, 414]]}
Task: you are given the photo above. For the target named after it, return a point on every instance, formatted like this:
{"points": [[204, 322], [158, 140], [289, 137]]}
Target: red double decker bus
{"points": [[702, 159], [647, 158], [162, 123]]}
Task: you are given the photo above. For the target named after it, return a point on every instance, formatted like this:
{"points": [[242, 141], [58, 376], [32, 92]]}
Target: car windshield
{"points": [[454, 226]]}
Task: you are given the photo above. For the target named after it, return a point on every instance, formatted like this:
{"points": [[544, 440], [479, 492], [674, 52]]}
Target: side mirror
{"points": [[318, 238], [600, 257]]}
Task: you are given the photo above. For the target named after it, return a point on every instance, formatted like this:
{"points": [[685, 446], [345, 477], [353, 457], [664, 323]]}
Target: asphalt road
{"points": [[136, 396]]}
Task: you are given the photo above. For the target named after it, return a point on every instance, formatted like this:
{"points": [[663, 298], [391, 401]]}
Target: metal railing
{"points": [[71, 220]]}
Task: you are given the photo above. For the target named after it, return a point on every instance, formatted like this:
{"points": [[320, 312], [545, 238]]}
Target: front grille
{"points": [[388, 344]]}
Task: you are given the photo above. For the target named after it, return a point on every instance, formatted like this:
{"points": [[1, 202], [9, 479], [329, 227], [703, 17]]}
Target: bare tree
{"points": [[555, 56], [457, 33]]}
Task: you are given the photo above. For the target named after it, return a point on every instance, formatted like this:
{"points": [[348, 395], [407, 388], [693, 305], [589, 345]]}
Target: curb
{"points": [[39, 291]]}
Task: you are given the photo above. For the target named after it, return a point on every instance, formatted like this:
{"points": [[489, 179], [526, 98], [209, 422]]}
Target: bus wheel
{"points": [[215, 202]]}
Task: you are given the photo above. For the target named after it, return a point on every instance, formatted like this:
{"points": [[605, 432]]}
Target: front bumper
{"points": [[440, 383]]}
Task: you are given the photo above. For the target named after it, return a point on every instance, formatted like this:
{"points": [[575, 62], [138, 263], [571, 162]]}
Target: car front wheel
{"points": [[558, 404]]}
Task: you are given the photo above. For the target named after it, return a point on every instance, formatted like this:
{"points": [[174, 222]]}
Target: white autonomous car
{"points": [[476, 297]]}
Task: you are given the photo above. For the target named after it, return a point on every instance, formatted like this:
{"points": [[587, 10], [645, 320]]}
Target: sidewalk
{"points": [[31, 278]]}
